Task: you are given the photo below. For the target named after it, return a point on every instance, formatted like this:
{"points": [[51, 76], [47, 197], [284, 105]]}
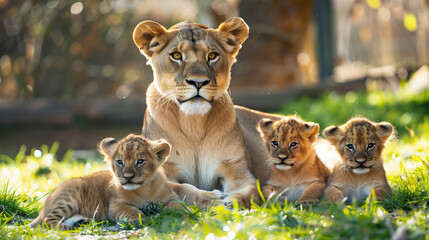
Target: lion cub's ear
{"points": [[149, 36], [384, 130], [161, 148], [310, 130], [107, 146], [234, 32], [334, 134], [265, 127]]}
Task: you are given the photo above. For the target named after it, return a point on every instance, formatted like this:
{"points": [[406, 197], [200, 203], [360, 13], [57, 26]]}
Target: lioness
{"points": [[189, 106]]}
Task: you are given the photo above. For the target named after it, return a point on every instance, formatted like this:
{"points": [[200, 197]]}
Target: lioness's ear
{"points": [[311, 130], [234, 32], [384, 130], [107, 146], [333, 134], [161, 148], [265, 127], [149, 36]]}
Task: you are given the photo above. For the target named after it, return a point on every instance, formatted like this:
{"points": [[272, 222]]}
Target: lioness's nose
{"points": [[282, 157], [360, 160], [128, 176], [197, 83]]}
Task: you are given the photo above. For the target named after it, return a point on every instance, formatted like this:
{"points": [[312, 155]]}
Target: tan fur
{"points": [[295, 169], [349, 178], [216, 144], [188, 104], [103, 195]]}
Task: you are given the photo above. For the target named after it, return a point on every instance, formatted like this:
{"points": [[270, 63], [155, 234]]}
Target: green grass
{"points": [[27, 178], [408, 112]]}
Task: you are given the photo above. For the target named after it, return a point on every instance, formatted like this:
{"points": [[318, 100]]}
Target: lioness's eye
{"points": [[275, 144], [293, 144], [176, 56], [120, 163], [212, 56], [350, 147], [370, 146], [140, 162]]}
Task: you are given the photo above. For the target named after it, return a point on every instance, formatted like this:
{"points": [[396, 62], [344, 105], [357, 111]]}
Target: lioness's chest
{"points": [[199, 169]]}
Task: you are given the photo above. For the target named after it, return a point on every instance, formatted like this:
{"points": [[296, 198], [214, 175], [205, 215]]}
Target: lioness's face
{"points": [[288, 140], [134, 159], [359, 142], [191, 62]]}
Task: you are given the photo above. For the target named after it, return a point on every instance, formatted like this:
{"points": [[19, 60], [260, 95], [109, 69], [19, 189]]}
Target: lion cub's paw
{"points": [[268, 191], [76, 220]]}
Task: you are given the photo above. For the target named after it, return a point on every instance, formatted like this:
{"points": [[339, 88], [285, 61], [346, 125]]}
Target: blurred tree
{"points": [[63, 49], [280, 49]]}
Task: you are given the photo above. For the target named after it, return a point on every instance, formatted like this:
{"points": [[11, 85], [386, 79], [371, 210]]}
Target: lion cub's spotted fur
{"points": [[360, 143], [131, 183], [296, 170]]}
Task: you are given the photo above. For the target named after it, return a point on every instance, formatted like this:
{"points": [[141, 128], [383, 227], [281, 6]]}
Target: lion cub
{"points": [[360, 143], [131, 183], [295, 167]]}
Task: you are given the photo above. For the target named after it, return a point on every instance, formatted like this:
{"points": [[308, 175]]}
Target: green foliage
{"points": [[406, 161], [271, 220], [410, 188], [408, 112], [14, 203]]}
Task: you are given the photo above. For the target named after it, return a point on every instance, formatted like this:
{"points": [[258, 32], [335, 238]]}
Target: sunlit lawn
{"points": [[26, 178]]}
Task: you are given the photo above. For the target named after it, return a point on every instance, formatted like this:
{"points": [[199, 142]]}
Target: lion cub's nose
{"points": [[197, 83], [360, 160], [128, 176], [282, 157]]}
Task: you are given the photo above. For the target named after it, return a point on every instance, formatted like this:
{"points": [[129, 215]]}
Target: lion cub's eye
{"points": [[293, 144], [120, 163], [140, 162], [176, 56], [370, 146], [350, 147], [275, 144], [213, 56]]}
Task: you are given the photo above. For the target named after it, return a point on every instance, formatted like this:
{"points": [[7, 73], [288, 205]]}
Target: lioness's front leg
{"points": [[192, 195], [242, 186]]}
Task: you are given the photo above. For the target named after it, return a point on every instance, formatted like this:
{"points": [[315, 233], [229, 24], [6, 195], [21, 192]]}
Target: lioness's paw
{"points": [[207, 198], [227, 201], [219, 194], [241, 200]]}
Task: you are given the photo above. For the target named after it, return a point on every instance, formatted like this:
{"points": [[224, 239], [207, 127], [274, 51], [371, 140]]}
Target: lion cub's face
{"points": [[191, 62], [360, 142], [288, 140], [134, 159]]}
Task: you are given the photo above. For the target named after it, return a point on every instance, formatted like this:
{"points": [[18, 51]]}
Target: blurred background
{"points": [[70, 72]]}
